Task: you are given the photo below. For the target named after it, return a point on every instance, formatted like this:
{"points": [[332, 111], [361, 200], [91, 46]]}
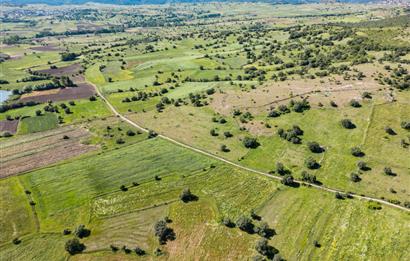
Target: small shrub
{"points": [[130, 133], [309, 177], [315, 147], [388, 171], [73, 246], [363, 166], [354, 177], [224, 148], [227, 134], [347, 124], [287, 180], [357, 152], [123, 188], [311, 163], [374, 205], [264, 249], [113, 248], [213, 132], [81, 231], [228, 222], [152, 134], [339, 195], [389, 130], [245, 224], [355, 103], [16, 241], [405, 125], [120, 141], [187, 196], [274, 114], [139, 251], [280, 169], [250, 143]]}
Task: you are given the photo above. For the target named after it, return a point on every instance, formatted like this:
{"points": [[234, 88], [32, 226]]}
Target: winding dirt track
{"points": [[321, 187]]}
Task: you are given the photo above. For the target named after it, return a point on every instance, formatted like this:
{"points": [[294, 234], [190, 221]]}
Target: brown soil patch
{"points": [[63, 71], [9, 126], [46, 48], [37, 93], [82, 91], [27, 154]]}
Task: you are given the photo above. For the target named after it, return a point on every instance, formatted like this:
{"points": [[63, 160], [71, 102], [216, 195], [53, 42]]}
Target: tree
{"points": [[152, 134], [280, 168], [287, 180], [250, 143], [362, 166], [348, 124], [355, 103], [264, 249], [139, 251], [81, 231], [120, 141], [163, 232], [265, 231], [73, 246], [213, 132], [354, 177], [311, 163], [315, 147], [309, 177], [130, 133], [274, 114], [227, 222], [38, 112], [224, 148], [389, 130], [245, 224], [339, 195], [187, 196], [227, 134], [388, 171], [16, 241], [68, 57], [357, 152]]}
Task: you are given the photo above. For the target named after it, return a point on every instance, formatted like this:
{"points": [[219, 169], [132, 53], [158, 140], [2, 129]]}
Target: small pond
{"points": [[4, 95]]}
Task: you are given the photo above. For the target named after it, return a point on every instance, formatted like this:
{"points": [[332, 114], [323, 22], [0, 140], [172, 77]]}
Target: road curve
{"points": [[331, 190]]}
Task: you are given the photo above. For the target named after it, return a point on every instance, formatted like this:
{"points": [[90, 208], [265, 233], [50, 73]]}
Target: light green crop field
{"points": [[38, 123]]}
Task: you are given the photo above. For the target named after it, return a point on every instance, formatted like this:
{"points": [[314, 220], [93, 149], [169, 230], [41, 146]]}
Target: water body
{"points": [[4, 95]]}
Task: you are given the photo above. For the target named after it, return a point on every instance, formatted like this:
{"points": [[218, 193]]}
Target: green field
{"points": [[91, 196], [38, 123]]}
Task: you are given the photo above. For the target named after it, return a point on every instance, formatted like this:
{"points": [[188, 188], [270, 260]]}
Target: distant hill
{"points": [[129, 2]]}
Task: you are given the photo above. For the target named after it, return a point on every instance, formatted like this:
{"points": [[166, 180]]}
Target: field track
{"points": [[331, 190]]}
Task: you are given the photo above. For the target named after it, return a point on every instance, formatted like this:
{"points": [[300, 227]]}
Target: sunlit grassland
{"points": [[16, 216], [40, 123]]}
